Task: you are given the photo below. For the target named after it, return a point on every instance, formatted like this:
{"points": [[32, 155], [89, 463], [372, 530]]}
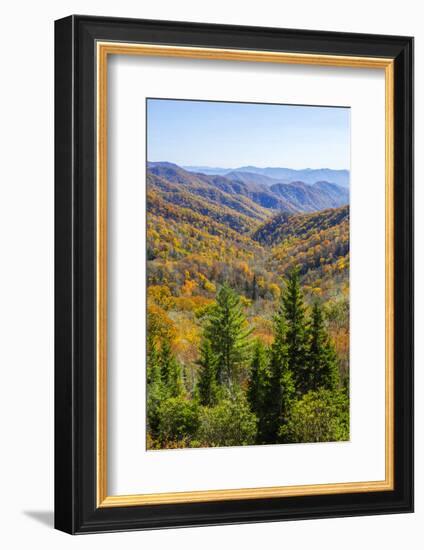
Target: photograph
{"points": [[234, 269], [247, 273]]}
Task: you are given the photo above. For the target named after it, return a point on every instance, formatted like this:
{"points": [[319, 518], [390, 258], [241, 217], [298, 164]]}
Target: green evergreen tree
{"points": [[254, 288], [228, 333], [247, 288], [279, 389], [207, 386], [171, 372], [259, 377], [155, 388], [296, 331], [153, 366], [176, 383], [321, 357]]}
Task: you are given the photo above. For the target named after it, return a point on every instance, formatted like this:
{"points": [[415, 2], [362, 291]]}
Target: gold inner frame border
{"points": [[103, 50]]}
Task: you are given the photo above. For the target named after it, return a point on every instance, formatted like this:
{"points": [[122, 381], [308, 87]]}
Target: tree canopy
{"points": [[241, 390]]}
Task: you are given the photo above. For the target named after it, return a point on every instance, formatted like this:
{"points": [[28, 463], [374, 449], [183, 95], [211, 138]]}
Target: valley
{"points": [[247, 231]]}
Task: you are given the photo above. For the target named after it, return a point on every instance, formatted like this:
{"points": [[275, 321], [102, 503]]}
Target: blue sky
{"points": [[230, 135]]}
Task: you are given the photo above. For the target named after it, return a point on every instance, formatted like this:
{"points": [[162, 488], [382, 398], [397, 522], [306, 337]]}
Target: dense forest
{"points": [[248, 310]]}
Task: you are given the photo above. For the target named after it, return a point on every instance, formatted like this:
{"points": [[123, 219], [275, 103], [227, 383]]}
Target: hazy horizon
{"points": [[224, 135], [221, 167]]}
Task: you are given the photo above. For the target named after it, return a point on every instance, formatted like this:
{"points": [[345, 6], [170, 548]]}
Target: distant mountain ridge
{"points": [[239, 197], [283, 175], [310, 198]]}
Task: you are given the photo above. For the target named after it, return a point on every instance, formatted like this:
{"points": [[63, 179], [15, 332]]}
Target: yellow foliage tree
{"points": [[161, 296], [188, 287], [159, 325]]}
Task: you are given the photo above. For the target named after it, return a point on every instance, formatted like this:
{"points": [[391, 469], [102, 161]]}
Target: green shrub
{"points": [[229, 423], [178, 420], [318, 416]]}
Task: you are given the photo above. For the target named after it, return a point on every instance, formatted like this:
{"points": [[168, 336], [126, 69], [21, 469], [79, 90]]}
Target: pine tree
{"points": [[170, 369], [165, 359], [258, 378], [226, 329], [207, 386], [296, 331], [321, 356], [153, 366], [279, 391], [155, 388], [175, 384], [254, 288], [247, 288]]}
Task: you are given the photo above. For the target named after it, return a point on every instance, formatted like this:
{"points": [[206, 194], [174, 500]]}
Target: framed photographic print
{"points": [[234, 274]]}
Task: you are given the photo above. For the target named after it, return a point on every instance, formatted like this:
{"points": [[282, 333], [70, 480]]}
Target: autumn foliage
{"points": [[248, 321]]}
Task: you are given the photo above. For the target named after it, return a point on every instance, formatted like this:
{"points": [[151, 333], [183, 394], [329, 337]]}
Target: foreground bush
{"points": [[230, 423], [178, 421], [318, 416]]}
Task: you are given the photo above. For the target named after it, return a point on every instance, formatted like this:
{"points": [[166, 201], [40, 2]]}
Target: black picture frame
{"points": [[76, 510]]}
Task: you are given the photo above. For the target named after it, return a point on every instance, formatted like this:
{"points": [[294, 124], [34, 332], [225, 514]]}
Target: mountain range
{"points": [[240, 197], [204, 230], [283, 175]]}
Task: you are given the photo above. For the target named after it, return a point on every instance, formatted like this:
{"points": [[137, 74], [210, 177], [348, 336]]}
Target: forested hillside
{"points": [[247, 192], [248, 311]]}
